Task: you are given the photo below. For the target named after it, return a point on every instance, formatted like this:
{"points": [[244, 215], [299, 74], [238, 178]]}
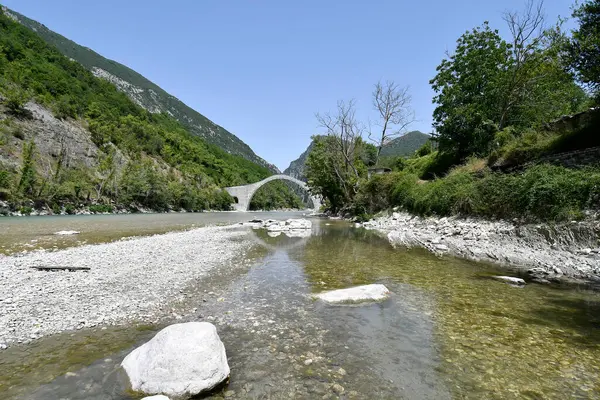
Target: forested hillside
{"points": [[142, 91], [130, 155]]}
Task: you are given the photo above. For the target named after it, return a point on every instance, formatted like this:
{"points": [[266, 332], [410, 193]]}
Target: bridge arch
{"points": [[244, 193]]}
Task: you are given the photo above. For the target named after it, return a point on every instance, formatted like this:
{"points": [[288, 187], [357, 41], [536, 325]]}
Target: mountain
{"points": [[296, 168], [405, 145], [143, 92], [69, 139]]}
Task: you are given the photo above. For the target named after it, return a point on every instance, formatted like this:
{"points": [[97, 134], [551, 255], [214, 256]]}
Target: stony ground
{"points": [[548, 253], [132, 280]]}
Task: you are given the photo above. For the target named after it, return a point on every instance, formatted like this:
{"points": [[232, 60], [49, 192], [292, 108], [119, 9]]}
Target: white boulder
{"points": [[290, 224], [298, 224], [157, 397], [67, 233], [509, 279], [181, 361], [357, 294]]}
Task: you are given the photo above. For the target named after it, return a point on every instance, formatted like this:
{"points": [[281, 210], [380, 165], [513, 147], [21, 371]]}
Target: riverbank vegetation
{"points": [[502, 146], [140, 159]]}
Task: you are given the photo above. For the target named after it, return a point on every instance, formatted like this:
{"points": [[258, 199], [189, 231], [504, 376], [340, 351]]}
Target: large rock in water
{"points": [[290, 224], [358, 294], [510, 279], [181, 361]]}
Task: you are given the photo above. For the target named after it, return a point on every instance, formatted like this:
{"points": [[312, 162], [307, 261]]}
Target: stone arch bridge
{"points": [[243, 194]]}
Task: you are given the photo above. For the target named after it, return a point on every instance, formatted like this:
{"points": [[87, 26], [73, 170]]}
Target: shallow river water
{"points": [[447, 332]]}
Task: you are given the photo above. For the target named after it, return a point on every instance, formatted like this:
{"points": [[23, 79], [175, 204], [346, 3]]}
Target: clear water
{"points": [[447, 332], [31, 233]]}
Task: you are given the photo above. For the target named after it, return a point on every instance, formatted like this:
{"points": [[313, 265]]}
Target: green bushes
{"points": [[543, 192]]}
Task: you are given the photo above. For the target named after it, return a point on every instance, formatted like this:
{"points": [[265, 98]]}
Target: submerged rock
{"points": [[67, 233], [181, 361], [358, 294], [509, 279]]}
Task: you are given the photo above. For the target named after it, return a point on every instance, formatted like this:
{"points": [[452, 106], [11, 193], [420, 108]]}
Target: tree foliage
{"points": [[584, 47], [489, 83]]}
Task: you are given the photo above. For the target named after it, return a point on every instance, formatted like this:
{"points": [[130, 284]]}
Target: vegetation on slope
{"points": [[405, 145], [151, 96], [494, 99], [166, 166]]}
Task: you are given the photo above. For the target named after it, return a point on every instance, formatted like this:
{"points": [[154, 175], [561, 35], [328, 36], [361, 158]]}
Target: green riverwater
{"points": [[447, 332]]}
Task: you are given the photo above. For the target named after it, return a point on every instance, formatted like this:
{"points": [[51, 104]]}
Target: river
{"points": [[447, 332]]}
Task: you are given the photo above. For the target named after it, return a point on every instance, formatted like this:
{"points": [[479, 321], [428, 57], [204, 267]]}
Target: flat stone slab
{"points": [[509, 279], [62, 233], [357, 294]]}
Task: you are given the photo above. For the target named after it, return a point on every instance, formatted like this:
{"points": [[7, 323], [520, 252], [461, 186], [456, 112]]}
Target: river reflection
{"points": [[444, 333]]}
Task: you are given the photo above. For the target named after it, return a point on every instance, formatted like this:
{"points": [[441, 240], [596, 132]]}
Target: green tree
{"points": [[584, 48], [468, 88], [489, 84], [28, 179], [321, 166], [15, 100]]}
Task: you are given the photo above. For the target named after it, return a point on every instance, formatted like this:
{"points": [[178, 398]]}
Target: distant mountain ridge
{"points": [[404, 145], [142, 91]]}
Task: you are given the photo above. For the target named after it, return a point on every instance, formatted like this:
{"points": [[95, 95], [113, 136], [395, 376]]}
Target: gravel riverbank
{"points": [[133, 280], [547, 253]]}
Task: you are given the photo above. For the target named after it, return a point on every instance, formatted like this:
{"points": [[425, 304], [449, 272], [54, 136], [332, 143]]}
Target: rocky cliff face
{"points": [[142, 91], [296, 168]]}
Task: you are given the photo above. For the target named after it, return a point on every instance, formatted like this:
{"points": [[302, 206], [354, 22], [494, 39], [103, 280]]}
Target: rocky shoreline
{"points": [[547, 253], [132, 280]]}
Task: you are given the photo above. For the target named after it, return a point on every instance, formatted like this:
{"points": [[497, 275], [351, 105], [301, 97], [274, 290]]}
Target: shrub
{"points": [[424, 150], [15, 101], [25, 210], [543, 192], [55, 208]]}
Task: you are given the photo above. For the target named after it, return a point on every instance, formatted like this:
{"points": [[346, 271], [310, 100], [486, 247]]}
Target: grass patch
{"points": [[543, 192]]}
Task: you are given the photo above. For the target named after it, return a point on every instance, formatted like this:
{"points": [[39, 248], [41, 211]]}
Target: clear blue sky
{"points": [[261, 69]]}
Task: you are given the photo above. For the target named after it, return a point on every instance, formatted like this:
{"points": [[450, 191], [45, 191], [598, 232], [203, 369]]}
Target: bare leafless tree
{"points": [[392, 103], [346, 134], [527, 30]]}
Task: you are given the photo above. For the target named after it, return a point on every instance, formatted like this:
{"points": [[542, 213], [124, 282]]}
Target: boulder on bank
{"points": [[510, 279], [181, 361], [357, 294], [291, 224]]}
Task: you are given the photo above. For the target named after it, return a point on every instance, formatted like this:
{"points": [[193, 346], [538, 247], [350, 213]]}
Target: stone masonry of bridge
{"points": [[244, 193]]}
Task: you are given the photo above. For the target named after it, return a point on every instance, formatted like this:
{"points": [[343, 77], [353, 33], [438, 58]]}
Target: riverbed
{"points": [[447, 332]]}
